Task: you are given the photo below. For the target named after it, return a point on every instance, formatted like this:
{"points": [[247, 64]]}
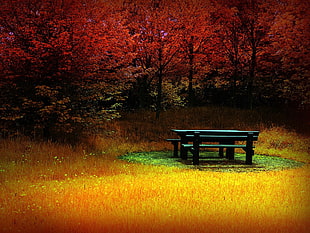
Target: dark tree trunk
{"points": [[252, 67], [159, 84], [191, 73]]}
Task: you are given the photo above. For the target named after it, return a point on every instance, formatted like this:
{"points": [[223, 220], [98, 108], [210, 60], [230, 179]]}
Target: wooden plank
{"points": [[215, 146], [214, 132], [221, 137], [173, 139]]}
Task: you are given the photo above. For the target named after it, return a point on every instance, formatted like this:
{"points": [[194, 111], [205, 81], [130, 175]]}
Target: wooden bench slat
{"points": [[219, 137], [215, 146], [173, 139]]}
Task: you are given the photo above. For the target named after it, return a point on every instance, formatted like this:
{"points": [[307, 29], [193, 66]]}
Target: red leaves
{"points": [[91, 43]]}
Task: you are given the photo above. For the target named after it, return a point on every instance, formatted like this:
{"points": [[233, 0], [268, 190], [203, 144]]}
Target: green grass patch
{"points": [[210, 161]]}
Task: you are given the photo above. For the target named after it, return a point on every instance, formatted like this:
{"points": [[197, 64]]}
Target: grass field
{"points": [[50, 187]]}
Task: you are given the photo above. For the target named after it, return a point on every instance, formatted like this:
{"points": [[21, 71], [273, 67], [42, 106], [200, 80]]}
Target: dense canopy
{"points": [[70, 65]]}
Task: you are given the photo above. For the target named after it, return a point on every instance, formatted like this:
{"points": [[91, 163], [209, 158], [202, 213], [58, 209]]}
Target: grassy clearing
{"points": [[48, 187]]}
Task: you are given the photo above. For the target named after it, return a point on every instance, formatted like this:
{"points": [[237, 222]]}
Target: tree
{"points": [[156, 43], [290, 51], [246, 37], [231, 39], [67, 65], [59, 60], [197, 38]]}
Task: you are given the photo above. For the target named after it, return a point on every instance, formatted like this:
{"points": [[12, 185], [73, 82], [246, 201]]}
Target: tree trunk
{"points": [[235, 58], [191, 73], [143, 92], [252, 68], [159, 94], [159, 84]]}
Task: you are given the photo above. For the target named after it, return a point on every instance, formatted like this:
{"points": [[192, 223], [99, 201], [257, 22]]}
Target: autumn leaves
{"points": [[97, 56]]}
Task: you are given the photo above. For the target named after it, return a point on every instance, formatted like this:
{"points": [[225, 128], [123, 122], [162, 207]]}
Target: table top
{"points": [[210, 130], [213, 132], [203, 130]]}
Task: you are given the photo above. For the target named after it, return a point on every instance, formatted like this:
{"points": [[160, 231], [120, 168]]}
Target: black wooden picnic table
{"points": [[194, 139]]}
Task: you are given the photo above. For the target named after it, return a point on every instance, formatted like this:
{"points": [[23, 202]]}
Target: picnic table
{"points": [[194, 139]]}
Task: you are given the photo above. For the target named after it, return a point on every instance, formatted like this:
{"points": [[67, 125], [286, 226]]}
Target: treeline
{"points": [[70, 65]]}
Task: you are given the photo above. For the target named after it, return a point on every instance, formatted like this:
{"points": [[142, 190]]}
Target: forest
{"points": [[89, 93], [69, 66]]}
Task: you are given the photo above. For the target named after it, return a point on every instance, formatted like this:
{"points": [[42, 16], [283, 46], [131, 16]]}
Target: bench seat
{"points": [[173, 140], [214, 146]]}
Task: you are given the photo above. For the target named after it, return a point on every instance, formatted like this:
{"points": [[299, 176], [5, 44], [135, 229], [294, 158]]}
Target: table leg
{"points": [[175, 149], [196, 156], [249, 149], [196, 149], [183, 151], [230, 153], [249, 154], [221, 152]]}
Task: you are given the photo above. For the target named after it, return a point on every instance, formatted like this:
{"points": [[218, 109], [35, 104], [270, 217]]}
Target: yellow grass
{"points": [[48, 187]]}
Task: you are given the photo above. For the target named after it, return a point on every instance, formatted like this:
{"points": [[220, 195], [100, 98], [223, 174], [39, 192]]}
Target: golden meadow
{"points": [[50, 187]]}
